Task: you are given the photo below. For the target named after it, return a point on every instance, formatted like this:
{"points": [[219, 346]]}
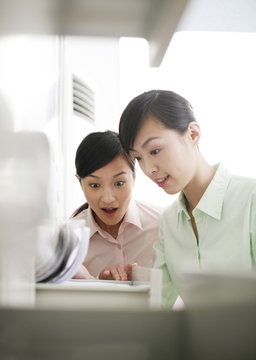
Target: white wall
{"points": [[216, 72], [219, 15], [96, 61]]}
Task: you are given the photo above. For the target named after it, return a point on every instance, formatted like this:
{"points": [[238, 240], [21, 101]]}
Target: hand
{"points": [[117, 272]]}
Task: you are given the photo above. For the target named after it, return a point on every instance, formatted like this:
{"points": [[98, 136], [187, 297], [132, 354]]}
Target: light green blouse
{"points": [[226, 223]]}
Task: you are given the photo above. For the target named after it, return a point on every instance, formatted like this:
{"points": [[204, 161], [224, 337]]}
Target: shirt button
{"points": [[118, 246]]}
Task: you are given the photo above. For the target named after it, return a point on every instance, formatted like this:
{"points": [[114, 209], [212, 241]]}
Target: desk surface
{"points": [[94, 294], [96, 285]]}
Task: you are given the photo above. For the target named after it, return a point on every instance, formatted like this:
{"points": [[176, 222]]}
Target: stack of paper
{"points": [[60, 256]]}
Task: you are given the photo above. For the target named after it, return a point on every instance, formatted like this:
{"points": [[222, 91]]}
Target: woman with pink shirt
{"points": [[122, 230]]}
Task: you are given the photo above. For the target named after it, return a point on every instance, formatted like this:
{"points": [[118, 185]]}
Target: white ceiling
{"points": [[219, 15], [154, 20]]}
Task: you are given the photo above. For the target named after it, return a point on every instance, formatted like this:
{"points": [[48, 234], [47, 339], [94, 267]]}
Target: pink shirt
{"points": [[137, 234]]}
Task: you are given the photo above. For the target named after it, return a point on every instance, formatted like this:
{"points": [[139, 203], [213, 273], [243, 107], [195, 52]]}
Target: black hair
{"points": [[95, 151], [171, 109]]}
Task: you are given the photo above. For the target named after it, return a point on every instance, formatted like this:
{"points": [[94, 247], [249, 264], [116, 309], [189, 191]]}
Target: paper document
{"points": [[59, 259]]}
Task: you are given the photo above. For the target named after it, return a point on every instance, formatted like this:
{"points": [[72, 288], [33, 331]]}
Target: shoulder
{"points": [[148, 209], [170, 214], [82, 215], [171, 209], [149, 216], [242, 192]]}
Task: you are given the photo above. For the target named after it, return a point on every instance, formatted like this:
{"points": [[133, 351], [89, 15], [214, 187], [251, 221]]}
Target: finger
{"points": [[114, 273], [122, 272], [105, 275], [128, 268]]}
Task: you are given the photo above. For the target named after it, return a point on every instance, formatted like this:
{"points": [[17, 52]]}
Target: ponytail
{"points": [[80, 209]]}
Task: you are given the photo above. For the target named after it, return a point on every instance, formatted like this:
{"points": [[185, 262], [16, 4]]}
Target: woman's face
{"points": [[167, 157], [108, 192]]}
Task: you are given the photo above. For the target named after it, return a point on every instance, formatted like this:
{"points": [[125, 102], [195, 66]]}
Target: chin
{"points": [[172, 191]]}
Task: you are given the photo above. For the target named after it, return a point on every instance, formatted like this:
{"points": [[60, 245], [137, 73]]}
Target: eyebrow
{"points": [[121, 173], [96, 177], [146, 142], [116, 175]]}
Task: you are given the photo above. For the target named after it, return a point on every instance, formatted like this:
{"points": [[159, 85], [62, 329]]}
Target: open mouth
{"points": [[163, 181], [109, 211]]}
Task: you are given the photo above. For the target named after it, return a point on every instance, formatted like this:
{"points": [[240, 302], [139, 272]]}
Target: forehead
{"points": [[117, 165], [151, 123], [150, 128]]}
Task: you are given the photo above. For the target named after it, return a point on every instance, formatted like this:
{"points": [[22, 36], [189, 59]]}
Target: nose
{"points": [[148, 167], [108, 196]]}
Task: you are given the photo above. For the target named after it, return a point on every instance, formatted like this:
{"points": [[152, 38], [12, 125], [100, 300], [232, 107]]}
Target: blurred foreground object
{"points": [[26, 245], [154, 20], [218, 287], [60, 255], [24, 159]]}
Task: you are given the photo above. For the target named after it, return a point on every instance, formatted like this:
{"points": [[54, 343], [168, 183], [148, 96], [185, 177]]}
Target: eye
{"points": [[138, 158], [154, 152], [94, 185], [119, 183]]}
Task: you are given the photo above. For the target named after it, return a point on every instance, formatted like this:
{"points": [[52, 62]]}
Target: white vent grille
{"points": [[83, 99]]}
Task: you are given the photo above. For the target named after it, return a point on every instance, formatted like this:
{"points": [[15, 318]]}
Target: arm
{"points": [[169, 293]]}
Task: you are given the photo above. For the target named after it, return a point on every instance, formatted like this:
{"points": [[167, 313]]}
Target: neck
{"points": [[198, 184], [110, 229]]}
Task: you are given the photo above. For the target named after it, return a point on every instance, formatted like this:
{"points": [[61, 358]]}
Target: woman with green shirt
{"points": [[212, 223]]}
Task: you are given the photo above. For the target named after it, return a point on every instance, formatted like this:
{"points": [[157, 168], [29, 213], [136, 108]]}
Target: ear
{"points": [[194, 132]]}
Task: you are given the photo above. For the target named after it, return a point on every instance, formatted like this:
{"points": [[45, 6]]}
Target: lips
{"points": [[109, 211], [162, 181]]}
